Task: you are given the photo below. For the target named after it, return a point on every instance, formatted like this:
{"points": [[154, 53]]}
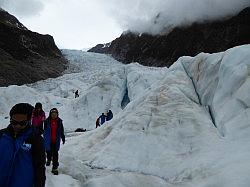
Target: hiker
{"points": [[102, 119], [109, 115], [53, 133], [22, 152], [97, 123], [38, 116], [76, 94]]}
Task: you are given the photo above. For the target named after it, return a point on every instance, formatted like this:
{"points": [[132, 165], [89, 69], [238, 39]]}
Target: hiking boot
{"points": [[48, 163], [55, 171]]}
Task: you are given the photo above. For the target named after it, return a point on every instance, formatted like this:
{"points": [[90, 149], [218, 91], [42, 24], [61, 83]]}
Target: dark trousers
{"points": [[53, 155]]}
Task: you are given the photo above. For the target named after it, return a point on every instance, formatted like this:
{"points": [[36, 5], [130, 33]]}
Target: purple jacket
{"points": [[38, 120]]}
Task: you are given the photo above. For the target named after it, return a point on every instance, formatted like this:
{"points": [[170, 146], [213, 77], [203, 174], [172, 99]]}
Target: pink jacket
{"points": [[38, 120]]}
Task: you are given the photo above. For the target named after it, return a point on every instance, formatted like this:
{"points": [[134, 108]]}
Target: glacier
{"points": [[187, 125]]}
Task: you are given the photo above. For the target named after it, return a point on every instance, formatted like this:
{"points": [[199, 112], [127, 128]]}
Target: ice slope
{"points": [[80, 112], [168, 133], [183, 126], [227, 80], [162, 134], [102, 83]]}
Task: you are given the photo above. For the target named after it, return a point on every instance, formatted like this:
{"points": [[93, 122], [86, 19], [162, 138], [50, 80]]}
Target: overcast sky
{"points": [[74, 24], [78, 24]]}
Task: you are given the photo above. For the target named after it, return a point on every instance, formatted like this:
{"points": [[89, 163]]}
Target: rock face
{"points": [[163, 50], [26, 56]]}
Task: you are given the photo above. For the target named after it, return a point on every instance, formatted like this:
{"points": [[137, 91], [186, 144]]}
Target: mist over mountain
{"points": [[165, 49], [154, 17]]}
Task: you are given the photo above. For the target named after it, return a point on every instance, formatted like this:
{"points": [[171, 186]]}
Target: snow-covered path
{"points": [[61, 180], [183, 126]]}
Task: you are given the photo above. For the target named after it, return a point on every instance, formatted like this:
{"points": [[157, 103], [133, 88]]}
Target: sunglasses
{"points": [[21, 123]]}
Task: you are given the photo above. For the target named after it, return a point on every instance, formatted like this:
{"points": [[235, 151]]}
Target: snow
{"points": [[61, 180], [187, 125]]}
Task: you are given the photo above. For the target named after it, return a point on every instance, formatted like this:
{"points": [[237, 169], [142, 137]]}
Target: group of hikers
{"points": [[103, 118], [26, 142]]}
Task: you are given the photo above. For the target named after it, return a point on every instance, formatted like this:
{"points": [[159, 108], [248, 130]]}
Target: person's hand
{"points": [[63, 141]]}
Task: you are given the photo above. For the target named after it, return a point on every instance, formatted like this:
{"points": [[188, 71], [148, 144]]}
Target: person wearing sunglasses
{"points": [[22, 153], [53, 134]]}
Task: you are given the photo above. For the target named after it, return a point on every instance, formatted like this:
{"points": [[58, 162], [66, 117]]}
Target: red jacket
{"points": [[54, 126]]}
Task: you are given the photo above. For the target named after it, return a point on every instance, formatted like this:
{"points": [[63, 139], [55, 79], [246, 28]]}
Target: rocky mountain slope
{"points": [[26, 56], [163, 50]]}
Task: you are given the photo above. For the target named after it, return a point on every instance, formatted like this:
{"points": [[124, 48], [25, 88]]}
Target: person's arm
{"points": [[39, 160], [43, 117], [42, 125], [45, 125], [32, 117], [62, 133], [40, 128]]}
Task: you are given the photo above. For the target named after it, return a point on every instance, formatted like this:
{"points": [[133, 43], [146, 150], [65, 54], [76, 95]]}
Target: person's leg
{"points": [[55, 157], [49, 155]]}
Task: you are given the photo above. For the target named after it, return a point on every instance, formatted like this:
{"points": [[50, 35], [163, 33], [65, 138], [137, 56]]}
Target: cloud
{"points": [[84, 23], [74, 24], [23, 8], [158, 15]]}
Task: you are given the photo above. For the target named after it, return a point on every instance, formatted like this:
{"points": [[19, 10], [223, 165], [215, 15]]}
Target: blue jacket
{"points": [[109, 115], [47, 134], [16, 165], [102, 118]]}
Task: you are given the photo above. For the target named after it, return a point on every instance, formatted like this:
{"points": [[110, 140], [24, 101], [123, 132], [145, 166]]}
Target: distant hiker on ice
{"points": [[97, 123], [38, 116], [109, 115], [100, 120], [53, 133], [22, 160], [76, 94]]}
